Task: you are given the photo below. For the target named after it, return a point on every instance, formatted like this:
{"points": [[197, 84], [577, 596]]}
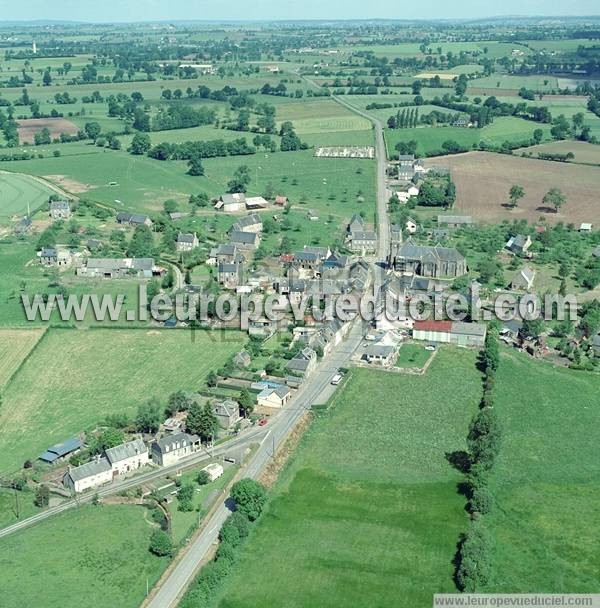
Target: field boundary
{"points": [[25, 358]]}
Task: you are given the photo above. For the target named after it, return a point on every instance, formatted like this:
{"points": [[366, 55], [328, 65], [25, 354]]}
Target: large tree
{"points": [[249, 497], [202, 421], [556, 198], [515, 194]]}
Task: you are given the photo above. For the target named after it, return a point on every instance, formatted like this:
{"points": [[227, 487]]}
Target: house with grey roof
{"points": [[92, 474], [171, 449], [60, 210], [303, 363], [227, 412], [357, 223], [22, 226], [230, 274], [380, 354], [363, 241], [187, 241], [427, 261], [246, 241], [248, 223], [127, 457], [275, 397], [519, 244]]}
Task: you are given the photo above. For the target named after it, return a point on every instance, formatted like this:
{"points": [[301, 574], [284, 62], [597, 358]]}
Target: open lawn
{"points": [[97, 553], [546, 519], [77, 377], [412, 355], [15, 345], [367, 510], [17, 191], [483, 181]]}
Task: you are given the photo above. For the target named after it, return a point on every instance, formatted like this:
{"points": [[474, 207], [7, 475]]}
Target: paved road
{"points": [[180, 577], [243, 440]]}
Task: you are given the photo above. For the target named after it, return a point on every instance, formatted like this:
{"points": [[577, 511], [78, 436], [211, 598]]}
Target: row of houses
{"points": [[115, 268]]}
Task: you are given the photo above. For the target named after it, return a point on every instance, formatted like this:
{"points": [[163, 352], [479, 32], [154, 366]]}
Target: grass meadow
{"points": [[17, 191], [99, 553], [15, 345], [546, 519], [367, 510], [77, 377]]}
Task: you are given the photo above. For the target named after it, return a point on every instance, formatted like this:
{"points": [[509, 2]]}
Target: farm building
{"points": [[346, 152], [256, 202], [249, 223], [60, 450], [133, 219], [426, 261], [127, 456], [231, 203], [172, 448], [60, 210], [118, 268], [187, 241], [89, 475], [458, 333], [585, 227], [454, 221]]}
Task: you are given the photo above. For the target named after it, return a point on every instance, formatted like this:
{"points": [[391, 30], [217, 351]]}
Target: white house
{"points": [[89, 475], [60, 210], [585, 227], [214, 470], [274, 397], [127, 456], [411, 226], [172, 448]]}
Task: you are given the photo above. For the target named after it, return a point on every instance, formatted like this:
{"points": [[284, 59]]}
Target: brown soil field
{"points": [[30, 126], [483, 181], [584, 152]]}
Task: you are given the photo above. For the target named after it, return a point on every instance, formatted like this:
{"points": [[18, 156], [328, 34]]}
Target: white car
{"points": [[430, 347]]}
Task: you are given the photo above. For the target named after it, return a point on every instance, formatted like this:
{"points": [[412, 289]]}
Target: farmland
{"points": [[375, 506], [100, 551], [15, 345], [29, 127], [545, 518], [17, 191], [63, 388], [483, 181]]}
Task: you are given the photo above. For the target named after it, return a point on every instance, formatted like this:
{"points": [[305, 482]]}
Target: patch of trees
{"points": [[289, 140], [560, 158], [64, 98], [437, 192], [474, 555], [249, 497], [201, 149], [174, 117]]}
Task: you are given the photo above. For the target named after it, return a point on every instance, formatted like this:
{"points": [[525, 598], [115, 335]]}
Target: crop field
{"points": [[17, 191], [483, 181], [97, 552], [546, 519], [15, 345], [29, 127], [383, 502], [77, 377]]}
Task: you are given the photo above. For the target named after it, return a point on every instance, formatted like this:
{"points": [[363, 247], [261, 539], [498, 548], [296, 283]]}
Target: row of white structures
{"points": [[131, 456]]}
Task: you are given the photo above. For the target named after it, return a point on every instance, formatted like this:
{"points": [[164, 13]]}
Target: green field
{"points": [[95, 556], [17, 191], [431, 139], [412, 355], [367, 511], [15, 345], [546, 519], [77, 377]]}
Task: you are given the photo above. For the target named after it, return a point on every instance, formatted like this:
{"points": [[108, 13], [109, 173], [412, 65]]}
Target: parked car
{"points": [[430, 347]]}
